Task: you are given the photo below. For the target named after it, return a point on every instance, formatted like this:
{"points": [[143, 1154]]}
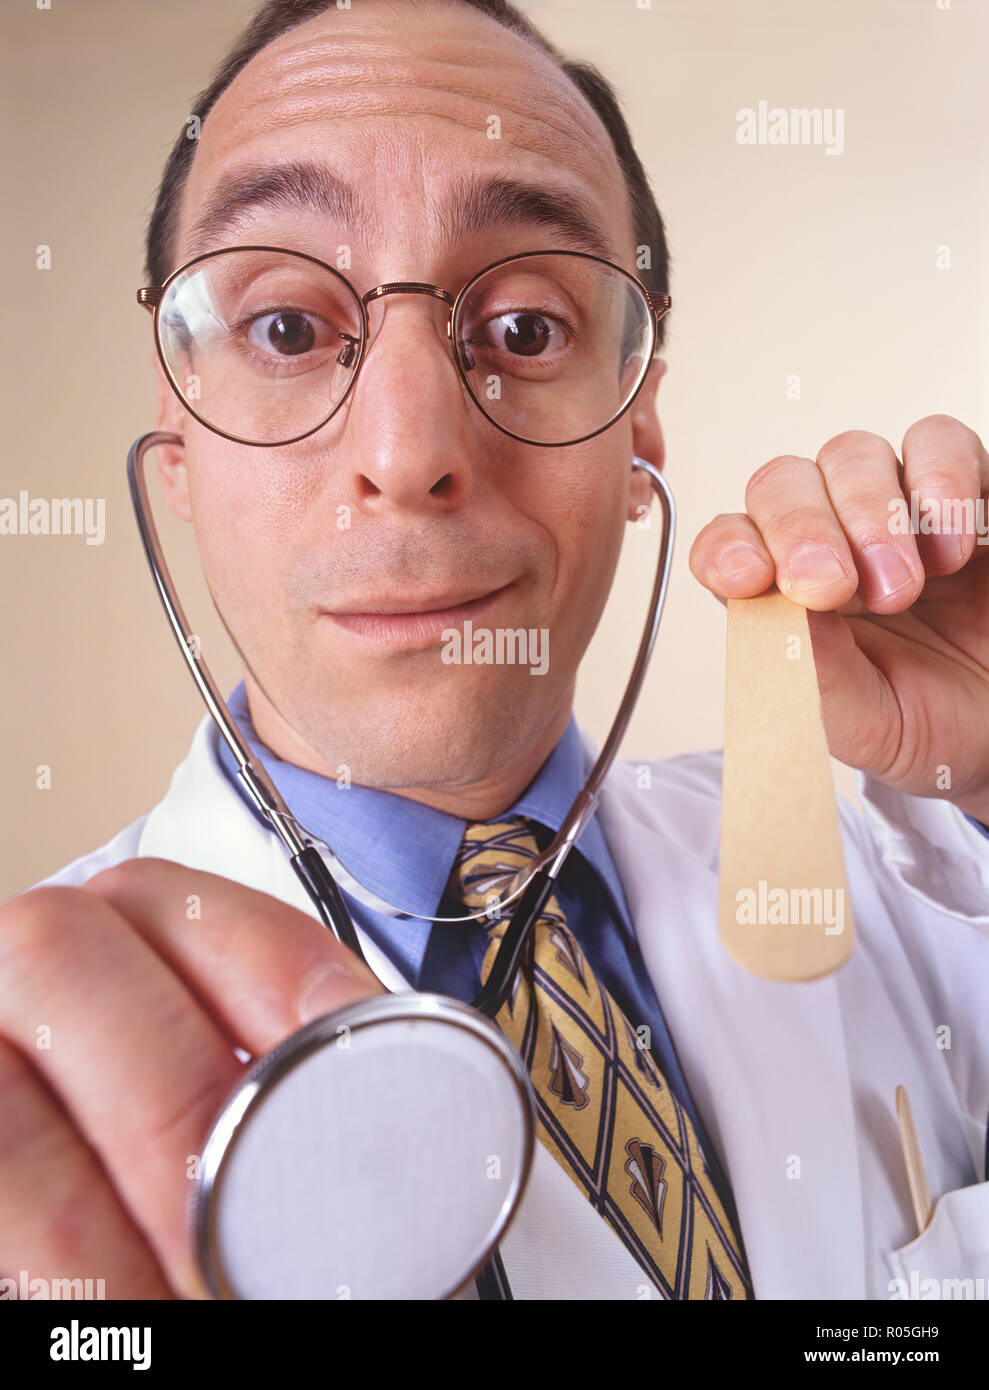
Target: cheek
{"points": [[589, 535], [246, 512]]}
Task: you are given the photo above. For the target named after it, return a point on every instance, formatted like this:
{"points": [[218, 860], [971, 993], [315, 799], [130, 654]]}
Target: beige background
{"points": [[786, 261]]}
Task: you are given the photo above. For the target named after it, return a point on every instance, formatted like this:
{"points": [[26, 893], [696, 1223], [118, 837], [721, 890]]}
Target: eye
{"points": [[288, 332], [524, 333]]}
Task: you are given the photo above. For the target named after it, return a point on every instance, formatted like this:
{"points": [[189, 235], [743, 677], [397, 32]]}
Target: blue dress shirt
{"points": [[404, 852]]}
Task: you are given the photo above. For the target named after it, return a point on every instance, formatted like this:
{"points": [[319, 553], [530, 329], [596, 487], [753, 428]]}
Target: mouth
{"points": [[404, 621]]}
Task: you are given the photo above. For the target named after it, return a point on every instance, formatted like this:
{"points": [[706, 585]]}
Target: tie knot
{"points": [[490, 857]]}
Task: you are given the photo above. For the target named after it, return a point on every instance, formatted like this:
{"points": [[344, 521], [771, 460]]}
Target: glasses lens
{"points": [[261, 345], [554, 346]]}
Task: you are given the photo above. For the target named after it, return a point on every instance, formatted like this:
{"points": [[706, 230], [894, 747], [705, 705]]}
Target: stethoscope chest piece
{"points": [[380, 1152]]}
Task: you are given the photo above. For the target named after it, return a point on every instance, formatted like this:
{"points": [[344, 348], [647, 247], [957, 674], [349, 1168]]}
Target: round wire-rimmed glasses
{"points": [[263, 345]]}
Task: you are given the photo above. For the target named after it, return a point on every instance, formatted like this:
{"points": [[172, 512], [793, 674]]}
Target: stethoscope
{"points": [[382, 1150]]}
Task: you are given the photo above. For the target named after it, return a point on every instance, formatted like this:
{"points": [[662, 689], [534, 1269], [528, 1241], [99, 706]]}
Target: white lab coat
{"points": [[795, 1083]]}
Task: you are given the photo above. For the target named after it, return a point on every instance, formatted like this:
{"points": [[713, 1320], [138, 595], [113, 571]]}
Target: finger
{"points": [[135, 1061], [946, 470], [260, 967], [729, 558], [789, 504], [59, 1215], [861, 474]]}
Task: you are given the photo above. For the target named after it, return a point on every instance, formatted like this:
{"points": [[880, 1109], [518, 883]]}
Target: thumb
{"points": [[860, 711]]}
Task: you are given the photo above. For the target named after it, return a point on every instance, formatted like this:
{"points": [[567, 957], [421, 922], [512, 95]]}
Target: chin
{"points": [[457, 737]]}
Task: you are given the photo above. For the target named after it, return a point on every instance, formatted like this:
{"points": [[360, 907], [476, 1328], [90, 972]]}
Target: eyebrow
{"points": [[472, 206]]}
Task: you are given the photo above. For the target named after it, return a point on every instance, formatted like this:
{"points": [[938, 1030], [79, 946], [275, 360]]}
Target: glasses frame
{"points": [[658, 304]]}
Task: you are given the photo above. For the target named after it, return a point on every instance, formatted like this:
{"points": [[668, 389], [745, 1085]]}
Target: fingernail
{"points": [[814, 567], [948, 548], [887, 570], [737, 559], [946, 539], [328, 987]]}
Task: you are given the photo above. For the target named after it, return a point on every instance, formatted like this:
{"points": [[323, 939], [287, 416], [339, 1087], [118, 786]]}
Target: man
{"points": [[367, 130]]}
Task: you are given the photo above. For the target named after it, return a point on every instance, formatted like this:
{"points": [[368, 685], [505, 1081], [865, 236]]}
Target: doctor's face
{"points": [[335, 561]]}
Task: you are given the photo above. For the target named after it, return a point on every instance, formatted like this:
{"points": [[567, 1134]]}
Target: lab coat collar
{"points": [[204, 823]]}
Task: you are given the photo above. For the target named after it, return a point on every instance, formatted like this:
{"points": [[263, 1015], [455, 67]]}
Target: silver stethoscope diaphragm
{"points": [[377, 1153]]}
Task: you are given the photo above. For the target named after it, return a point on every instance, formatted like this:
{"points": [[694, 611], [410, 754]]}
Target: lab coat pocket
{"points": [[950, 1259]]}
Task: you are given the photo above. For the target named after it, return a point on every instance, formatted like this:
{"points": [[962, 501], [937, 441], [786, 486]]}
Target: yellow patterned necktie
{"points": [[605, 1110]]}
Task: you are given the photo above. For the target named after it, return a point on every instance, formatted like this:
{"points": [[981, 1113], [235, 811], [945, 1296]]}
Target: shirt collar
{"points": [[404, 851]]}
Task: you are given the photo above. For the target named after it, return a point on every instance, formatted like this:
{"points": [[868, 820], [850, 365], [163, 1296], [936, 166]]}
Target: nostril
{"points": [[367, 488], [443, 487]]}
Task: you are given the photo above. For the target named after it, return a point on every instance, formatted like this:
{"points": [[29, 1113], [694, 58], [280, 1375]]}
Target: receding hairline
{"points": [[578, 225], [278, 19]]}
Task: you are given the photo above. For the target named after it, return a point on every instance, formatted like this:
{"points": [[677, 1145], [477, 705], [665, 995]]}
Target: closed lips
{"points": [[406, 621], [401, 605]]}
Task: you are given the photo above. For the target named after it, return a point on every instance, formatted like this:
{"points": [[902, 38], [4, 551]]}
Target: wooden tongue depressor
{"points": [[784, 910], [920, 1193]]}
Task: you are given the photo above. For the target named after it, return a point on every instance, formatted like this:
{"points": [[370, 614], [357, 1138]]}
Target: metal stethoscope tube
{"points": [[323, 876]]}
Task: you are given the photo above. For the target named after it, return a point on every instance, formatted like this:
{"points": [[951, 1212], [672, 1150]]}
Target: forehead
{"points": [[403, 101]]}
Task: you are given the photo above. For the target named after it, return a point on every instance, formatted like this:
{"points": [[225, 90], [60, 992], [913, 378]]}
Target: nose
{"points": [[409, 438]]}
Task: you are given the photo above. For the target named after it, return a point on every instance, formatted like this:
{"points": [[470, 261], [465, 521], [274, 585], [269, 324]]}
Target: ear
{"points": [[647, 438], [169, 458]]}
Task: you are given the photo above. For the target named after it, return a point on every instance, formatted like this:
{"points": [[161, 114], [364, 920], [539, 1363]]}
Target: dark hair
{"points": [[277, 17]]}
